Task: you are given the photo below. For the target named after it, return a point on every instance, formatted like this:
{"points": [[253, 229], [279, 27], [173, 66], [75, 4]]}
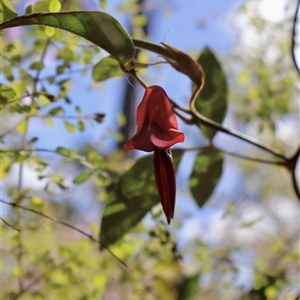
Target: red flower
{"points": [[156, 122], [157, 130]]}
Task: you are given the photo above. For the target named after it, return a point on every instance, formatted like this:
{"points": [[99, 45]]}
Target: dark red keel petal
{"points": [[164, 173]]}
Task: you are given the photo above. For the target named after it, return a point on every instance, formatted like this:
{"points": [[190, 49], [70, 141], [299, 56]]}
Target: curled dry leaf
{"points": [[185, 64]]}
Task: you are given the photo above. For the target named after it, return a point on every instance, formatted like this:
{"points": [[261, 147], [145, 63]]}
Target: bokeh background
{"points": [[242, 244]]}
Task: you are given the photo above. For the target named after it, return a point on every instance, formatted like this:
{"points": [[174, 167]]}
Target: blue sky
{"points": [[179, 28]]}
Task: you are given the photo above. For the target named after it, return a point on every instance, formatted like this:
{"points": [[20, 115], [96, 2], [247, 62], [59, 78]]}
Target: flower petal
{"points": [[164, 173], [141, 140], [156, 121], [164, 139], [152, 136], [156, 106]]}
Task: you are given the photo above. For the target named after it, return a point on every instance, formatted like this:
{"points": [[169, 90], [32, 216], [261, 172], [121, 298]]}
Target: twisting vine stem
{"points": [[196, 116], [198, 119]]}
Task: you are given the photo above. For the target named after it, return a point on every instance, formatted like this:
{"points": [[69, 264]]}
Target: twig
{"points": [[15, 64], [83, 162], [255, 159], [292, 167], [28, 150], [295, 185], [37, 77], [142, 44], [212, 124], [85, 117], [69, 72], [9, 225], [293, 45], [269, 162], [138, 78], [90, 236]]}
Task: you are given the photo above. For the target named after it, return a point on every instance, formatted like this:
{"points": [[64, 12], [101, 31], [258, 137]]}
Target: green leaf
{"points": [[206, 174], [38, 6], [106, 68], [100, 281], [56, 111], [21, 127], [29, 9], [50, 31], [21, 157], [6, 92], [63, 151], [188, 287], [212, 101], [132, 197], [38, 65], [7, 11], [19, 87], [70, 127], [49, 122], [54, 6], [8, 74], [44, 99], [80, 125], [78, 110], [103, 4], [81, 178], [97, 27], [66, 54]]}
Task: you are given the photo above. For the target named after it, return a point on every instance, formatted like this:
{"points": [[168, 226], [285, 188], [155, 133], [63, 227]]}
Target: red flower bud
{"points": [[157, 130], [164, 173]]}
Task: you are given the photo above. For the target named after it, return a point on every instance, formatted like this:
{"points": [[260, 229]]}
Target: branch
{"points": [[293, 45], [28, 150], [142, 44], [83, 162], [295, 185], [36, 78], [292, 167], [90, 236], [212, 124], [11, 226], [198, 118], [269, 162], [15, 64], [73, 71], [254, 159]]}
